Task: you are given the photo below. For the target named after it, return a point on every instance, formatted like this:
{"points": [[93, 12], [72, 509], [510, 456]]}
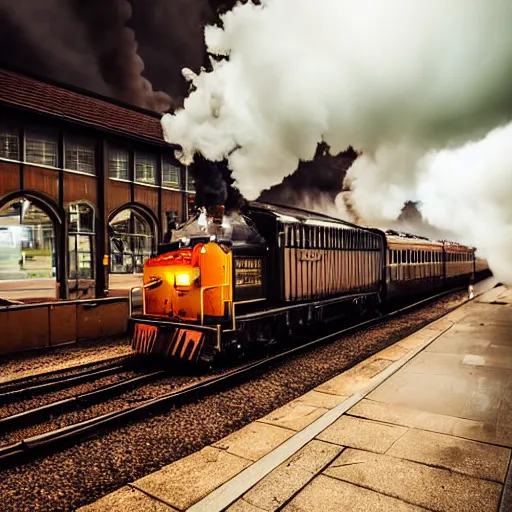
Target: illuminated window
{"points": [[171, 174], [145, 168], [118, 163]]}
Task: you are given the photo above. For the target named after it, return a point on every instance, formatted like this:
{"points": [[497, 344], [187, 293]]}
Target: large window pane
{"points": [[81, 241], [145, 168], [27, 251], [9, 142], [171, 174], [80, 155], [81, 218], [118, 163], [41, 148], [131, 242]]}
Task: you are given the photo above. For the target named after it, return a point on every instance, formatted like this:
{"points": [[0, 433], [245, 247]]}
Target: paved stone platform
{"points": [[425, 424]]}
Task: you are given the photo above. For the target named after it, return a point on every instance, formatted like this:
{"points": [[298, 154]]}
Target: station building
{"points": [[87, 188]]}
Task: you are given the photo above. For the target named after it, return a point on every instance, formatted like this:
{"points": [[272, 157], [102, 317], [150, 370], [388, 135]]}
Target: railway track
{"points": [[59, 379], [61, 438]]}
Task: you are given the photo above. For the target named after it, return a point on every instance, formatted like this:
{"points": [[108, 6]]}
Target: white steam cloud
{"points": [[397, 80]]}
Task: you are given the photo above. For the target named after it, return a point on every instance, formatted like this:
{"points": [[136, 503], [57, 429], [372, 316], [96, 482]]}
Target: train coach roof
{"points": [[291, 214], [410, 241]]}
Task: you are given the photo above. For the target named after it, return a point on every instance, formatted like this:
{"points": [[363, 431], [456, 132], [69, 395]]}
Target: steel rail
{"points": [[81, 400], [60, 374]]}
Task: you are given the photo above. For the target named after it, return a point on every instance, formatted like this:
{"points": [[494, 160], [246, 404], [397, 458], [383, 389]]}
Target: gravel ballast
{"points": [[86, 472], [26, 364]]}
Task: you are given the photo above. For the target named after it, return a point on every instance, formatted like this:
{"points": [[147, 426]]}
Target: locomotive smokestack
{"points": [[215, 185]]}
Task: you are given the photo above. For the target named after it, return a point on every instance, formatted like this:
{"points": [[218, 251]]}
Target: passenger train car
{"points": [[232, 283]]}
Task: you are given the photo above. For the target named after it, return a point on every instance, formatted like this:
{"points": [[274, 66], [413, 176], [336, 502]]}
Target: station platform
{"points": [[425, 424]]}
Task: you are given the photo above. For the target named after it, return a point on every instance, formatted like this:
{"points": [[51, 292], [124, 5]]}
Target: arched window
{"points": [[131, 242], [81, 241], [27, 250]]}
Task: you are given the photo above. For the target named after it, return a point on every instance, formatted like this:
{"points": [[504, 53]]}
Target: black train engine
{"points": [[238, 281]]}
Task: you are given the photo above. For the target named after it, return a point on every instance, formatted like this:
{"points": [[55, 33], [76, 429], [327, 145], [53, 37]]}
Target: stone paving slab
{"points": [[462, 396], [291, 476], [354, 380], [419, 484], [294, 415], [461, 339], [243, 506], [254, 440], [488, 314], [319, 399], [410, 417], [363, 434], [189, 479], [330, 495], [468, 457], [127, 499], [419, 338]]}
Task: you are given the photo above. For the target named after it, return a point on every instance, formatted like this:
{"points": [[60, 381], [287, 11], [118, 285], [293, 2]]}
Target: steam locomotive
{"points": [[235, 282]]}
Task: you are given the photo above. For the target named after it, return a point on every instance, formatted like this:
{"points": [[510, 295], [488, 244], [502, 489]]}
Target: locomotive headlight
{"points": [[182, 279]]}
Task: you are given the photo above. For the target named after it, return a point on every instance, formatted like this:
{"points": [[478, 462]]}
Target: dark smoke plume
{"points": [[322, 178], [171, 37], [115, 47], [215, 185], [411, 221], [84, 43]]}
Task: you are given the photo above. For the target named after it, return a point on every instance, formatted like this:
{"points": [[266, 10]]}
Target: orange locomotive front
{"points": [[187, 294]]}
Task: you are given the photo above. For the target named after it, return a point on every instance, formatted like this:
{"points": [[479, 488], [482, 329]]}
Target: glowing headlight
{"points": [[182, 279]]}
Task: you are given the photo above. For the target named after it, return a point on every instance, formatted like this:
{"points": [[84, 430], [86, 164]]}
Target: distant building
{"points": [[91, 180]]}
